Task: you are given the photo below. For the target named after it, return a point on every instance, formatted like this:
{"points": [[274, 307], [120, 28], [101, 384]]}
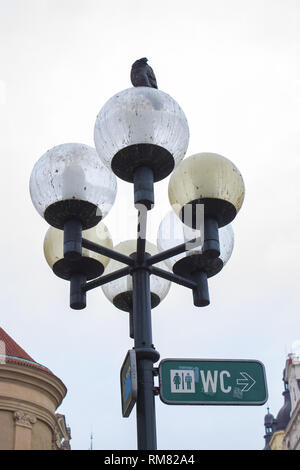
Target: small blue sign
{"points": [[128, 377], [127, 386]]}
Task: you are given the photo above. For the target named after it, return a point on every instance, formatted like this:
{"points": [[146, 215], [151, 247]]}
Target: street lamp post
{"points": [[141, 136]]}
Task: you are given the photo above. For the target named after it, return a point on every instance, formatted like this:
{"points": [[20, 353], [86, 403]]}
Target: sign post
{"points": [[212, 382], [128, 378]]}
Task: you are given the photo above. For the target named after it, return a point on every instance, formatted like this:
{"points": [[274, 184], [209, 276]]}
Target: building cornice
{"points": [[41, 380]]}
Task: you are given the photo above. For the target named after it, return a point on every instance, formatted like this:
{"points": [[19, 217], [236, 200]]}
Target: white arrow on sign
{"points": [[247, 381]]}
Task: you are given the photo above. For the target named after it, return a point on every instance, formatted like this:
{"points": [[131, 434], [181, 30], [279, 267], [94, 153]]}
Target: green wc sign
{"points": [[212, 382]]}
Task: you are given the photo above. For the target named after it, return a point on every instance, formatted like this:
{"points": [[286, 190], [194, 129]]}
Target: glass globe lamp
{"points": [[70, 182], [173, 232], [141, 127], [209, 179], [91, 264], [119, 292]]}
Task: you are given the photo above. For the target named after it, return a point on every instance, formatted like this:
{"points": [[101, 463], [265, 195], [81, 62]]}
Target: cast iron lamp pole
{"points": [[141, 267], [73, 186], [145, 352]]}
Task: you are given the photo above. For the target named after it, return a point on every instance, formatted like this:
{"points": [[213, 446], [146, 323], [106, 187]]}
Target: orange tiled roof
{"points": [[14, 353]]}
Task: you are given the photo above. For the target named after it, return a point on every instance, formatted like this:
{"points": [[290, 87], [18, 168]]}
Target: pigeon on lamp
{"points": [[142, 74]]}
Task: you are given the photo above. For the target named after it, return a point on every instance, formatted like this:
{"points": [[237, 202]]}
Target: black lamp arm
{"points": [[176, 250], [100, 281], [102, 250]]}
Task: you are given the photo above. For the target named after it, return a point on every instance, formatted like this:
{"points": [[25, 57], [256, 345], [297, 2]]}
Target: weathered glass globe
{"points": [[141, 126], [70, 181], [91, 264], [119, 292], [209, 179], [173, 232]]}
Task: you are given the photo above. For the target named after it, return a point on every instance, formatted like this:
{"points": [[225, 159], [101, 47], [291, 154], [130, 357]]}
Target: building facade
{"points": [[292, 432], [283, 432], [29, 396]]}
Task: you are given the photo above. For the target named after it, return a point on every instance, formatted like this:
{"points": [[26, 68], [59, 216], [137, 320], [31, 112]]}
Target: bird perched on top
{"points": [[142, 74]]}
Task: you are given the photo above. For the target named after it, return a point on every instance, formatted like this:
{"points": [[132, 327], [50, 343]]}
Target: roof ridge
{"points": [[12, 348], [12, 352]]}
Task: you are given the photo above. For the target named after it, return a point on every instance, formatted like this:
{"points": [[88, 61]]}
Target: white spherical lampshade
{"points": [[70, 181], [141, 126], [119, 292], [173, 232], [209, 179], [90, 264]]}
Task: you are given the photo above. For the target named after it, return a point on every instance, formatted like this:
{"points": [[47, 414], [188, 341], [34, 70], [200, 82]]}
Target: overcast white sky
{"points": [[233, 66]]}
